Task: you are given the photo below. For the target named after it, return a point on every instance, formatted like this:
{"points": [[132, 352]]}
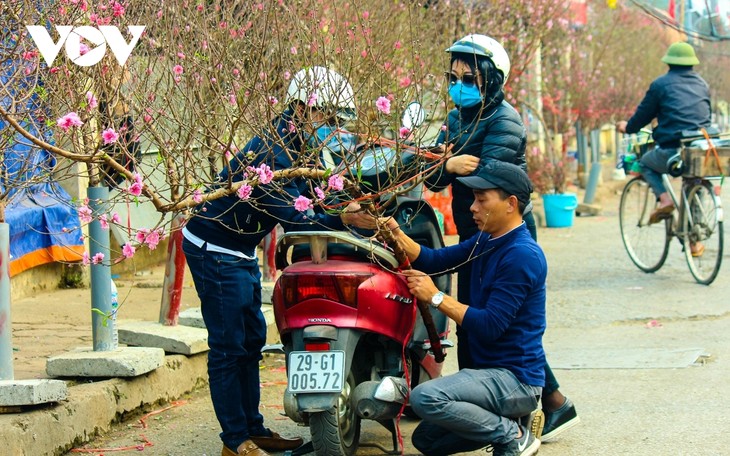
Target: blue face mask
{"points": [[335, 142], [465, 96]]}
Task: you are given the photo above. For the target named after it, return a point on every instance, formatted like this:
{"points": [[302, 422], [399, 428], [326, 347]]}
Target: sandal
{"points": [[697, 250], [660, 214]]}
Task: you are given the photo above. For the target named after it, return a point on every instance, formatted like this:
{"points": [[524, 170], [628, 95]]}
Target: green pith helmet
{"points": [[680, 54]]}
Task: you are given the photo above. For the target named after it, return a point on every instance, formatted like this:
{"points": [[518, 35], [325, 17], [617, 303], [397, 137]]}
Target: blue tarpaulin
{"points": [[44, 225]]}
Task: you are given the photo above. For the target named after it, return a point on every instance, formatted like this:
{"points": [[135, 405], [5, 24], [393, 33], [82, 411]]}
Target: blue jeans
{"points": [[653, 164], [467, 410], [229, 289]]}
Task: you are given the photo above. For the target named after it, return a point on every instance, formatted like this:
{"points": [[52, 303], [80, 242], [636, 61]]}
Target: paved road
{"points": [[627, 338]]}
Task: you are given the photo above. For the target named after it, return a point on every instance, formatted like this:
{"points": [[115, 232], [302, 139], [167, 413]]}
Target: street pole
{"points": [[101, 280], [6, 330], [595, 173]]}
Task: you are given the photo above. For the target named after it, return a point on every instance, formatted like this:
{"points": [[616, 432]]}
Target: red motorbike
{"points": [[354, 339]]}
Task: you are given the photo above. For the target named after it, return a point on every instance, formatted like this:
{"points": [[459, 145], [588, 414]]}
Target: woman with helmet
{"points": [[220, 246], [483, 127]]}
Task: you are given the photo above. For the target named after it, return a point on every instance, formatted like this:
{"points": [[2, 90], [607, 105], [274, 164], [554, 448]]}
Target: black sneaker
{"points": [[559, 421], [526, 445]]}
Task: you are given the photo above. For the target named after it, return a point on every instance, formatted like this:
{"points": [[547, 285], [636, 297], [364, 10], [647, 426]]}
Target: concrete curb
{"points": [[93, 407]]}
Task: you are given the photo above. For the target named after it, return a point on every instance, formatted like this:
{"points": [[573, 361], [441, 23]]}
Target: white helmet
{"points": [[484, 46], [323, 88]]}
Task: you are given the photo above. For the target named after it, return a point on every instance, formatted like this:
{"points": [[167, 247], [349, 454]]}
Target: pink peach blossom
{"points": [[197, 196], [383, 105], [91, 100], [244, 192], [152, 239], [335, 182], [141, 235], [68, 121], [117, 9], [135, 189], [85, 214], [265, 173], [110, 136], [97, 258], [128, 250], [302, 203]]}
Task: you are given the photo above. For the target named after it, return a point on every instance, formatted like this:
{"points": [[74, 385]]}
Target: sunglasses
{"points": [[466, 79]]}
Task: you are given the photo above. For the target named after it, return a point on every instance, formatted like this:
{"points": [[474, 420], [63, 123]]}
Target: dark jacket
{"points": [[240, 225], [506, 314], [494, 134], [679, 100]]}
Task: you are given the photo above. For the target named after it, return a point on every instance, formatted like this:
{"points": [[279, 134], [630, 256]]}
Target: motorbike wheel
{"points": [[336, 432]]}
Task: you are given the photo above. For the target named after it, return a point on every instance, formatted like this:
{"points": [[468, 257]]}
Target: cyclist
{"points": [[679, 100]]}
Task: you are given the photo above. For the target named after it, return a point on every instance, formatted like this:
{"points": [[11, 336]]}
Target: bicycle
{"points": [[698, 218]]}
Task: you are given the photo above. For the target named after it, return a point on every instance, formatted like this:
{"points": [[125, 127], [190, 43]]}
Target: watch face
{"points": [[437, 299]]}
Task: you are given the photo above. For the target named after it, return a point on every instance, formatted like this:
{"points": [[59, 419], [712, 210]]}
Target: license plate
{"points": [[316, 372]]}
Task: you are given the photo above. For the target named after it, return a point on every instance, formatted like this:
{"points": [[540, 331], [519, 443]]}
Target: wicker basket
{"points": [[701, 163]]}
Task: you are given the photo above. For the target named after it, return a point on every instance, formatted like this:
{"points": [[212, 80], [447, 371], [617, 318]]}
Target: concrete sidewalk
{"points": [[58, 321]]}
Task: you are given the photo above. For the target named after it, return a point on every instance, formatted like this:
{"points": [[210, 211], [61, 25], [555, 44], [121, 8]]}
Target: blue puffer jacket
{"points": [[679, 100], [240, 225], [496, 133]]}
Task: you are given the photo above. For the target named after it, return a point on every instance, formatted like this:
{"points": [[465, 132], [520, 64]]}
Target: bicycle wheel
{"points": [[647, 245], [702, 223]]}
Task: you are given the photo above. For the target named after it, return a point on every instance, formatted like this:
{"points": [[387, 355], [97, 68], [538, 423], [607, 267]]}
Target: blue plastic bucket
{"points": [[559, 209]]}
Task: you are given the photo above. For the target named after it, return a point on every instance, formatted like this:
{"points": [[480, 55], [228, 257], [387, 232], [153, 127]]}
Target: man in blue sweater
{"points": [[220, 248], [679, 100], [475, 407]]}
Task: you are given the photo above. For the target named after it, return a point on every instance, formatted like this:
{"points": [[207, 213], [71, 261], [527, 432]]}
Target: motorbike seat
{"points": [[295, 247], [302, 252]]}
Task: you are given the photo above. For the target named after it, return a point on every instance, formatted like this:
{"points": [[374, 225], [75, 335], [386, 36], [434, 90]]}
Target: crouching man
{"points": [[477, 407]]}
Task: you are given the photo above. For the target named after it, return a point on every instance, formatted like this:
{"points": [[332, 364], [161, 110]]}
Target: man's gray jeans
{"points": [[467, 410]]}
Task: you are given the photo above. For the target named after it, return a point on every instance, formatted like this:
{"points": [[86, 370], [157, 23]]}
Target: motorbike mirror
{"points": [[413, 116]]}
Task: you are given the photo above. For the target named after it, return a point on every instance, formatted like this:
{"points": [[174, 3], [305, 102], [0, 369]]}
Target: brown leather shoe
{"points": [[247, 448], [277, 442]]}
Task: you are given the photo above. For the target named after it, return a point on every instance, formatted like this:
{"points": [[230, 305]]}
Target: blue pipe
{"points": [[101, 280]]}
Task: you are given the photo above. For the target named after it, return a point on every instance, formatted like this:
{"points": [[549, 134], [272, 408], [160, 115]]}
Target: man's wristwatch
{"points": [[437, 299]]}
